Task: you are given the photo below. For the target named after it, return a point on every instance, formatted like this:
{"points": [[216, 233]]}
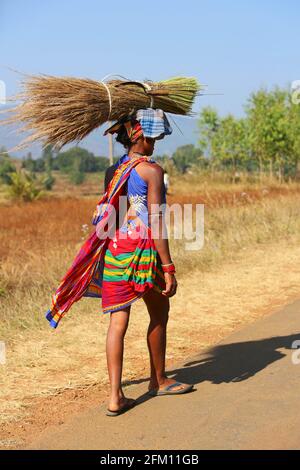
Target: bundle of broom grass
{"points": [[60, 110]]}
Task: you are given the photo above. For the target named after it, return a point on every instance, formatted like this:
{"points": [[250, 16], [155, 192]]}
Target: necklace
{"points": [[139, 154]]}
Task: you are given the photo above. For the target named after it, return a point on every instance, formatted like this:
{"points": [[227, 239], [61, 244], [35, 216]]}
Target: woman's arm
{"points": [[154, 176]]}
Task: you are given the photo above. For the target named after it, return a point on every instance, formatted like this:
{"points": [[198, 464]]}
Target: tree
{"points": [[87, 160], [294, 136], [101, 163], [268, 136], [47, 157], [208, 125], [6, 166], [267, 114], [28, 162], [77, 175], [186, 156], [230, 142]]}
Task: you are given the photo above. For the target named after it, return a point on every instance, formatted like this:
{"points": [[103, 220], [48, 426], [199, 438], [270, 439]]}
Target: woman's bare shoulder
{"points": [[149, 170]]}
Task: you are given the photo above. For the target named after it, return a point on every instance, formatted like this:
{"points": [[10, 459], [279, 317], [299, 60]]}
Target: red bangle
{"points": [[170, 268]]}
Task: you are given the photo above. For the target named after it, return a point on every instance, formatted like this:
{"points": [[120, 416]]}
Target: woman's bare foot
{"points": [[119, 402]]}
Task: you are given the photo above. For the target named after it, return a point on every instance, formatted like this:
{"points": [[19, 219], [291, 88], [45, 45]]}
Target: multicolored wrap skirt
{"points": [[128, 268], [131, 267]]}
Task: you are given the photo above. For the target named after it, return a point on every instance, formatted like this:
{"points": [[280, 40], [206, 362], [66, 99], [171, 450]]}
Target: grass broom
{"points": [[60, 110]]}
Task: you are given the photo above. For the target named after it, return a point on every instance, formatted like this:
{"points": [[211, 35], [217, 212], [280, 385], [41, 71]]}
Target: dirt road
{"points": [[246, 397]]}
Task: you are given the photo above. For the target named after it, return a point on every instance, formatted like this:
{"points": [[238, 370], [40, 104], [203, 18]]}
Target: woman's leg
{"points": [[158, 307], [114, 354]]}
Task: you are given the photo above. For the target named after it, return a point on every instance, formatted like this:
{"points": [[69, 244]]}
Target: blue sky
{"points": [[233, 47]]}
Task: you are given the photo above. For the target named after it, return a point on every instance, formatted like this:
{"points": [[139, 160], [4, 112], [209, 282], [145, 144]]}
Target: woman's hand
{"points": [[171, 285]]}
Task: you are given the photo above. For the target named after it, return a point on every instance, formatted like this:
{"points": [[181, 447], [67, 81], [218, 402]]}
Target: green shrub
{"points": [[6, 167], [24, 186]]}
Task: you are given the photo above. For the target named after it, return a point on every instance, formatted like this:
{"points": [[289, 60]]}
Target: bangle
{"points": [[155, 213], [168, 268]]}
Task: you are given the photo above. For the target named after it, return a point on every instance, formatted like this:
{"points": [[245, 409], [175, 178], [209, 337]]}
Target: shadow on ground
{"points": [[232, 362], [236, 361]]}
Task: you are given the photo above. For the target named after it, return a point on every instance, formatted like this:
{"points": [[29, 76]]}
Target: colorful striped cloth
{"points": [[81, 278], [132, 266]]}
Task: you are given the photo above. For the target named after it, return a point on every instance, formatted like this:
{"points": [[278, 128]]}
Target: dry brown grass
{"points": [[255, 240]]}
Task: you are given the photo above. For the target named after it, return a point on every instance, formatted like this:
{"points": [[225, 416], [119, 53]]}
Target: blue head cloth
{"points": [[154, 123]]}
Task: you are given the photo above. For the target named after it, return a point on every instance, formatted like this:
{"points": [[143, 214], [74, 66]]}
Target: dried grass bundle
{"points": [[60, 110]]}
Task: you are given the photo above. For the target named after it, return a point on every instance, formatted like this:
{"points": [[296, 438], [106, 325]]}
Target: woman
{"points": [[145, 192], [131, 259]]}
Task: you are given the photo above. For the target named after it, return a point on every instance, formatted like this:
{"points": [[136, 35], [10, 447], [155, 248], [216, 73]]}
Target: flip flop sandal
{"points": [[121, 410], [168, 390]]}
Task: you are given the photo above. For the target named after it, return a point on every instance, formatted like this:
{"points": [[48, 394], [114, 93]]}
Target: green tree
{"points": [[231, 143], [47, 157], [87, 160], [208, 125], [28, 163], [294, 136], [77, 175], [39, 165], [6, 166], [186, 156], [269, 136], [101, 163]]}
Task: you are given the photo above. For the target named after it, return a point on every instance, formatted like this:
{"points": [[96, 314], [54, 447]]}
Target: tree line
{"points": [[75, 162], [265, 139]]}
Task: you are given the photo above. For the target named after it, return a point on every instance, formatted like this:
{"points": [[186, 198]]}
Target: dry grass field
{"points": [[249, 266]]}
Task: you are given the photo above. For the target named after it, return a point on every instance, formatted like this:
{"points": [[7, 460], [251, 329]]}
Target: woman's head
{"points": [[130, 135], [139, 131]]}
